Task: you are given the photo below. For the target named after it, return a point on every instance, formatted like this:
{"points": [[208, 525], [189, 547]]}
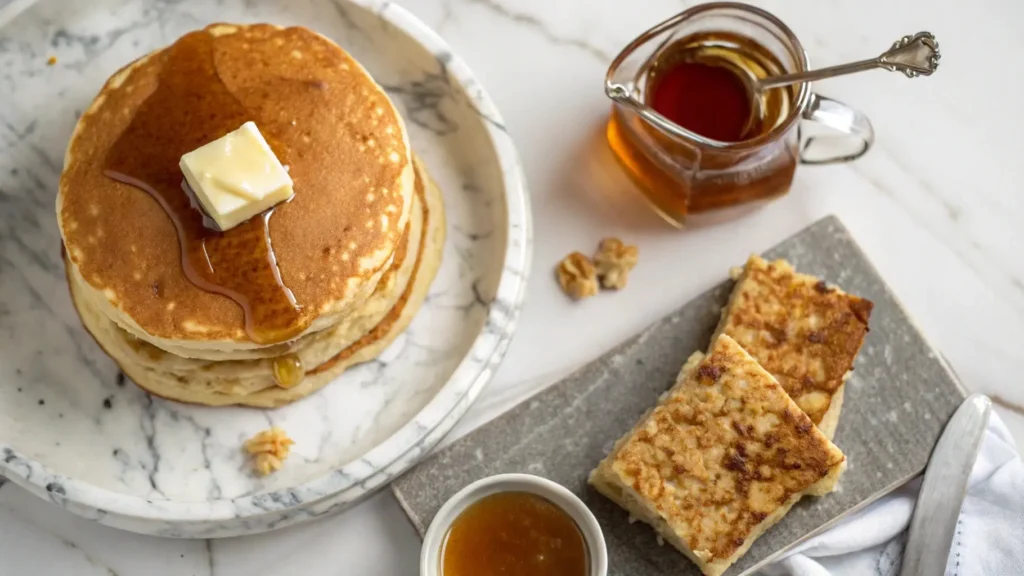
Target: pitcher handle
{"points": [[851, 138]]}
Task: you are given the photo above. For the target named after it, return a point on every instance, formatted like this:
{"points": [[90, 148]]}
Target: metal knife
{"points": [[943, 489]]}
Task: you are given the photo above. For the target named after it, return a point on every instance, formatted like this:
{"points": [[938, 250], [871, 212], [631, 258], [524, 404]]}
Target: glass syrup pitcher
{"points": [[692, 130]]}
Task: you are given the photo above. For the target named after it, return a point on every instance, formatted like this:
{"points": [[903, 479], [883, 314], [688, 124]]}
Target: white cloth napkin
{"points": [[989, 539]]}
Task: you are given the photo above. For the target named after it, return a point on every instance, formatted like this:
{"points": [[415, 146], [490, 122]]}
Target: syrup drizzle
{"points": [[288, 370], [190, 107]]}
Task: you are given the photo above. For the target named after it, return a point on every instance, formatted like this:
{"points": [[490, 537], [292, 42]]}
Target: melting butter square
{"points": [[236, 177]]}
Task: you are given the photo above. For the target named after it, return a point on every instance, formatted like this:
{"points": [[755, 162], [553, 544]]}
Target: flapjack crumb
{"points": [[269, 449]]}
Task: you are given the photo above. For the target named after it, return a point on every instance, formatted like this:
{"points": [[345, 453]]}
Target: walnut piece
{"points": [[614, 260], [269, 450], [577, 276]]}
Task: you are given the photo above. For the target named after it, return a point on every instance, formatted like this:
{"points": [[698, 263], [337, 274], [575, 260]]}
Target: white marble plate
{"points": [[74, 432]]}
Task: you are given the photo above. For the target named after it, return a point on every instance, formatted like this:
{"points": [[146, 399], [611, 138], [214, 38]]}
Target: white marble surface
{"points": [[937, 206]]}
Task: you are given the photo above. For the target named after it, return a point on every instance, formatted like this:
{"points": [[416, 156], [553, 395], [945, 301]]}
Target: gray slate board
{"points": [[897, 401]]}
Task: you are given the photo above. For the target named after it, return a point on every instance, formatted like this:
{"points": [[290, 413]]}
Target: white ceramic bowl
{"points": [[597, 553]]}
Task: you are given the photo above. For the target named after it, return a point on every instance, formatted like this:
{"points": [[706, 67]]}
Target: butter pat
{"points": [[236, 176]]}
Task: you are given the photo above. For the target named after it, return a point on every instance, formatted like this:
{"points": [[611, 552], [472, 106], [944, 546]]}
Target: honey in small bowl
{"points": [[514, 534]]}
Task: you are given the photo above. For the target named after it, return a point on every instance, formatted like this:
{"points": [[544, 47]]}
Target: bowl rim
{"points": [[557, 494], [162, 517]]}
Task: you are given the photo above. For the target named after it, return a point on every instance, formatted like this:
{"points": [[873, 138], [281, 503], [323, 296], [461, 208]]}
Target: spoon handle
{"points": [[818, 74], [916, 55]]}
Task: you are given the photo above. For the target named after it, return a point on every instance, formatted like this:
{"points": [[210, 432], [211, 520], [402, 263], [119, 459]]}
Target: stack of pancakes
{"points": [[358, 245]]}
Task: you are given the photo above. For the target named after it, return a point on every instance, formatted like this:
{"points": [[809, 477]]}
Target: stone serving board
{"points": [[897, 401]]}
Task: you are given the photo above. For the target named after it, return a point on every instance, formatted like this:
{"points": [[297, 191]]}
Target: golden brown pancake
{"points": [[325, 354], [347, 154]]}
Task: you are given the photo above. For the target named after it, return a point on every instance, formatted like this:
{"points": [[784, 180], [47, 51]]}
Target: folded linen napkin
{"points": [[989, 539]]}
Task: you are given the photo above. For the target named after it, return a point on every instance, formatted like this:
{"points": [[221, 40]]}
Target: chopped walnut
{"points": [[614, 260], [269, 450], [577, 276]]}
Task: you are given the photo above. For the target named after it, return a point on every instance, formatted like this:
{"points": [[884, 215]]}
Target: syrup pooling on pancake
{"points": [[348, 157], [190, 107]]}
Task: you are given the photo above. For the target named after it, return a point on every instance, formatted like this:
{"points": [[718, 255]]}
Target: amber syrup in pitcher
{"points": [[703, 84]]}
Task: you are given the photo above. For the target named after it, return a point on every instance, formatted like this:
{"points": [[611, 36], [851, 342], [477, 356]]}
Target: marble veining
{"points": [[74, 430]]}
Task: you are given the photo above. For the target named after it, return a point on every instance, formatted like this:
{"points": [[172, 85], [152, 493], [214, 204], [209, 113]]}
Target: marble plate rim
{"points": [[87, 499]]}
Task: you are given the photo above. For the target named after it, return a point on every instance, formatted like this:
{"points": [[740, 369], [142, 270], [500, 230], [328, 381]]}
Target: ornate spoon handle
{"points": [[916, 55]]}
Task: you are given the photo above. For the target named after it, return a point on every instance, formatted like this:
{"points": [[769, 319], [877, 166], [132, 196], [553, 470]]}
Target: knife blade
{"points": [[943, 489]]}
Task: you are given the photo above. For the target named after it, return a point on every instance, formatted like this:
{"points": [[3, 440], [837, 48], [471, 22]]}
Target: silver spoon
{"points": [[916, 55]]}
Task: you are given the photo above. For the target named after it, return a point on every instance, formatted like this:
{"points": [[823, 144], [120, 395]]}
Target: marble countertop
{"points": [[936, 205]]}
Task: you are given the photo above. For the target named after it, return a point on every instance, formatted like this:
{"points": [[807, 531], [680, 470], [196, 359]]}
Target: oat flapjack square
{"points": [[801, 330], [720, 459]]}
